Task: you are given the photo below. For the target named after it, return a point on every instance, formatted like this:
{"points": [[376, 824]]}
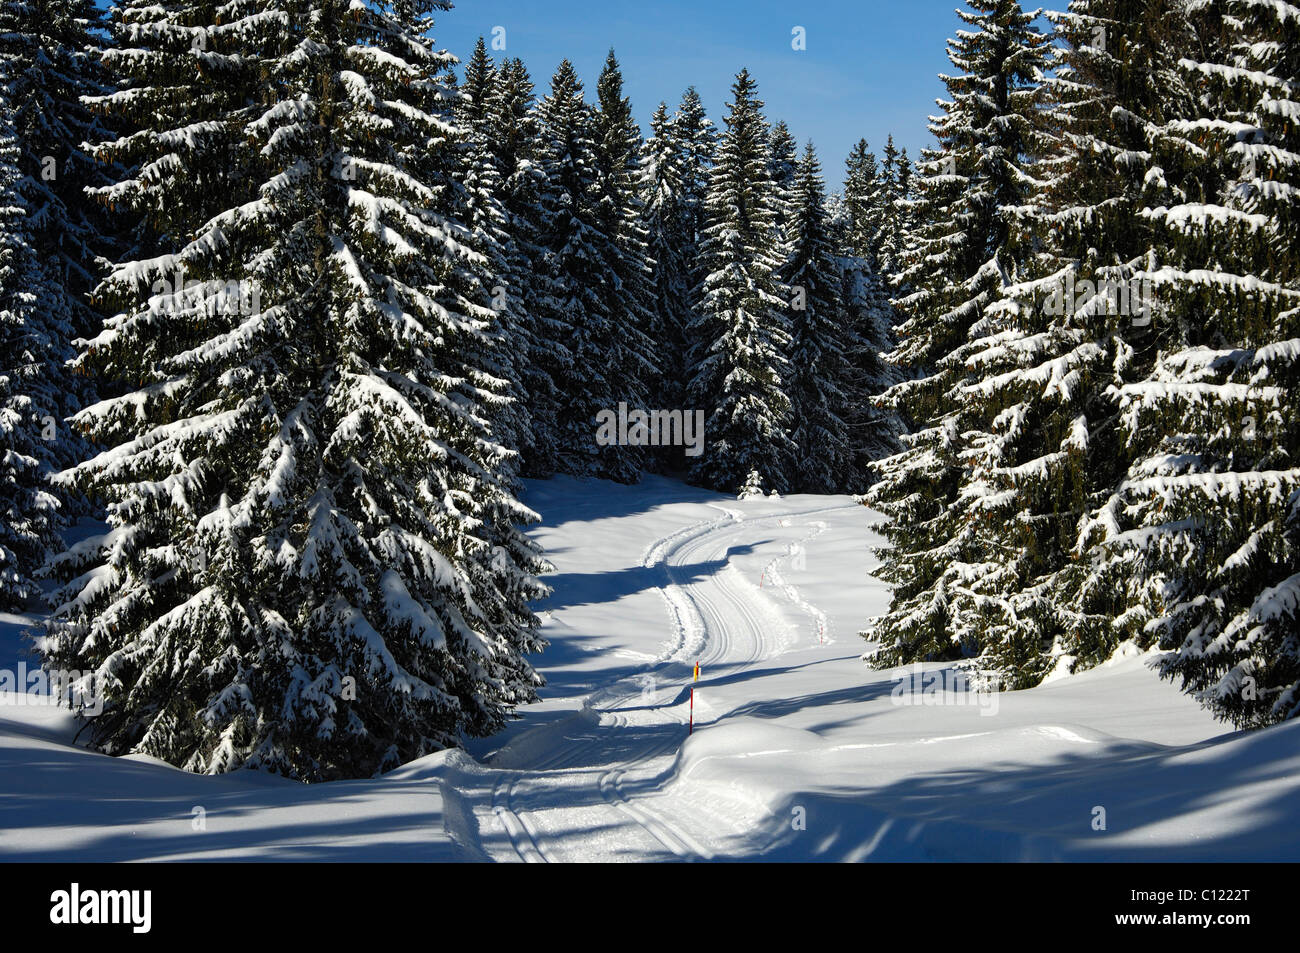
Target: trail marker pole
{"points": [[691, 728]]}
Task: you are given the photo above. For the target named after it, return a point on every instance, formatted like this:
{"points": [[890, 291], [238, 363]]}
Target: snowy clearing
{"points": [[799, 752]]}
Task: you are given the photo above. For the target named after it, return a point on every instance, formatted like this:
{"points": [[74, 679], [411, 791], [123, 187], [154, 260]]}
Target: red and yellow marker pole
{"points": [[691, 728]]}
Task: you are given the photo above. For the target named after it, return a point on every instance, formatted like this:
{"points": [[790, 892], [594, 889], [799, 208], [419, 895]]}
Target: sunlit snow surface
{"points": [[799, 752]]}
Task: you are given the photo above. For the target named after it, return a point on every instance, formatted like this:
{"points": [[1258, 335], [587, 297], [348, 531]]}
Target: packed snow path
{"points": [[581, 789], [800, 751]]}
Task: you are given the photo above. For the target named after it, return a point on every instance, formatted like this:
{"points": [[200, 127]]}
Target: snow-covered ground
{"points": [[799, 750]]}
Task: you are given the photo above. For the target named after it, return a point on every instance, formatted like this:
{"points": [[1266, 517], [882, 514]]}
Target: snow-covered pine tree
{"points": [[584, 304], [49, 60], [819, 340], [752, 488], [873, 431], [698, 139], [672, 251], [619, 157], [509, 345], [918, 487], [740, 337], [478, 87], [891, 232], [674, 185], [1074, 328], [512, 130], [306, 570], [783, 160], [900, 208], [28, 390], [948, 573], [1201, 536], [862, 202], [889, 164], [483, 211]]}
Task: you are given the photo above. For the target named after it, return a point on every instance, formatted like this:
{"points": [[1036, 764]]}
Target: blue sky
{"points": [[870, 67]]}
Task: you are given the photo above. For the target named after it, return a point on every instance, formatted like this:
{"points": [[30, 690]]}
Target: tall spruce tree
{"points": [[602, 364], [890, 237], [512, 130], [619, 157], [698, 139], [1200, 537], [478, 87], [819, 340], [49, 61], [307, 568], [740, 338], [674, 184], [950, 579], [901, 206], [671, 250], [1075, 333], [28, 390], [482, 209], [862, 202], [873, 431], [783, 159]]}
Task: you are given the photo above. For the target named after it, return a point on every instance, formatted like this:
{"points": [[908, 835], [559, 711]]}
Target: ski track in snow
{"points": [[721, 619]]}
